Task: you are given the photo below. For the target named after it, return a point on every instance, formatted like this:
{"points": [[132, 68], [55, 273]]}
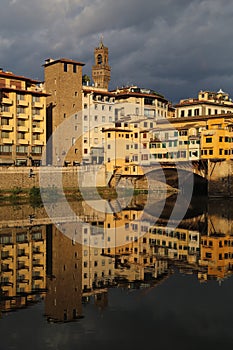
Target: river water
{"points": [[125, 278]]}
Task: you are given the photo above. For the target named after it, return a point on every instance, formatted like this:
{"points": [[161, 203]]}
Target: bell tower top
{"points": [[101, 71]]}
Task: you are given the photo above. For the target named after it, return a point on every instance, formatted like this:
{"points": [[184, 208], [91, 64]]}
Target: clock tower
{"points": [[101, 70]]}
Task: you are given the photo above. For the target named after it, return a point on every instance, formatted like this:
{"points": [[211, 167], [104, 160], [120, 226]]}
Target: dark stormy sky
{"points": [[176, 47]]}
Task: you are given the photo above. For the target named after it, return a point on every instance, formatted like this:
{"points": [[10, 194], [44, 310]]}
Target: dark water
{"points": [[165, 288]]}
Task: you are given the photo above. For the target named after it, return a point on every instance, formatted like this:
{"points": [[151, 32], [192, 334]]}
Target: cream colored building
{"points": [[23, 120], [98, 112], [207, 103]]}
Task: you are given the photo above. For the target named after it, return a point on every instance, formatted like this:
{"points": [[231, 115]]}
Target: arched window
{"points": [[99, 59]]}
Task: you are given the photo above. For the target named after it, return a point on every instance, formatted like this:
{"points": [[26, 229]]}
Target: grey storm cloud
{"points": [[175, 47]]}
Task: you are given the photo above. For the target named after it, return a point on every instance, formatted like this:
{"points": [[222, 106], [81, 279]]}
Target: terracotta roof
{"points": [[17, 77], [32, 92], [198, 102], [63, 60], [139, 94], [100, 92]]}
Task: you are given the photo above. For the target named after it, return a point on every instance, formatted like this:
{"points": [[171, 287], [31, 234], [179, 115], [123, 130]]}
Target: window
{"points": [[209, 140], [5, 149], [96, 118], [65, 67], [85, 106], [103, 119], [144, 157], [21, 149], [182, 113], [5, 135], [189, 112], [74, 68]]}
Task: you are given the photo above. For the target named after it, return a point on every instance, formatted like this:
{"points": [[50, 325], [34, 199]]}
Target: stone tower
{"points": [[101, 70]]}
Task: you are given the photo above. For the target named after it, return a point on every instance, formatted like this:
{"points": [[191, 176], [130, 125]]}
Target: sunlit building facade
{"points": [[23, 120]]}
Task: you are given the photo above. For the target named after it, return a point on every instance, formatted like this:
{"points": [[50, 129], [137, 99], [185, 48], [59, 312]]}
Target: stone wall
{"points": [[71, 177], [220, 178]]}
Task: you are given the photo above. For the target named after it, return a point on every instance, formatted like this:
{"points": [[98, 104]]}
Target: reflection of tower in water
{"points": [[63, 300]]}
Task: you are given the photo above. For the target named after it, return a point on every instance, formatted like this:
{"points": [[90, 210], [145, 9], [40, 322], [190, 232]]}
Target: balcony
{"points": [[37, 117], [22, 116], [38, 142], [38, 130], [7, 101], [6, 268], [7, 141], [6, 257], [37, 277], [23, 142], [22, 280], [37, 263], [22, 128], [23, 103], [6, 114], [6, 128], [37, 105], [23, 267]]}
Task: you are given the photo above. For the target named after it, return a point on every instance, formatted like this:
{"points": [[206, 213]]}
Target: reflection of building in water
{"points": [[63, 300], [23, 261], [132, 231], [216, 256], [98, 270]]}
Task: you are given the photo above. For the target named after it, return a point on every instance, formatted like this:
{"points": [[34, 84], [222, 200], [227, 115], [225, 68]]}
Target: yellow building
{"points": [[23, 120], [217, 256], [217, 138], [23, 264]]}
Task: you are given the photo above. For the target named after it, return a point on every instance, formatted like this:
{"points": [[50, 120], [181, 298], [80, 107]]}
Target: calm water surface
{"points": [[160, 287]]}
